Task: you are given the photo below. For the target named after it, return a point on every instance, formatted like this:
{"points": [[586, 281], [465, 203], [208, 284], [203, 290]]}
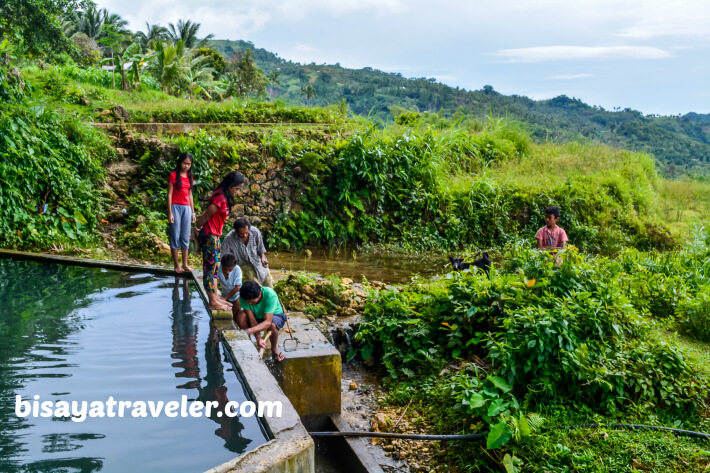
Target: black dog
{"points": [[483, 262]]}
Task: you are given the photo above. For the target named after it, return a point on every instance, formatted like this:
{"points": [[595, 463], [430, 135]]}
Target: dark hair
{"points": [[250, 290], [553, 210], [232, 179], [230, 259], [241, 223], [178, 180]]}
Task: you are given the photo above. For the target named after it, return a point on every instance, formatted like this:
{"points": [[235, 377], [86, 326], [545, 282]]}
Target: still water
{"points": [[84, 334]]}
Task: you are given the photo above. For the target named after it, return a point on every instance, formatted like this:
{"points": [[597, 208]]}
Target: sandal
{"points": [[278, 357]]}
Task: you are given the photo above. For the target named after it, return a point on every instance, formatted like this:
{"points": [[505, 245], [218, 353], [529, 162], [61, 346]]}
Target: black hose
{"points": [[685, 433], [398, 436]]}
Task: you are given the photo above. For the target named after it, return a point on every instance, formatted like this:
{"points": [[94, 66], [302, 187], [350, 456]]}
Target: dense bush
{"points": [[46, 158], [448, 190], [565, 332]]}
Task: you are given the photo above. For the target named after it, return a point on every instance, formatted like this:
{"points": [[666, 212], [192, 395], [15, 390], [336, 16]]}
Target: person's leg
{"points": [[210, 259], [173, 238], [269, 281], [279, 321], [185, 227], [248, 273], [240, 318]]}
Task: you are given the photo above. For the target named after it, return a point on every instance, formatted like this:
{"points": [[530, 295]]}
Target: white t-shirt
{"points": [[233, 279]]}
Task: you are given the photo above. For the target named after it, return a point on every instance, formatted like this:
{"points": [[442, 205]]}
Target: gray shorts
{"points": [[279, 320], [179, 231]]}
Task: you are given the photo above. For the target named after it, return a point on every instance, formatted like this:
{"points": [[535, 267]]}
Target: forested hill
{"points": [[681, 143]]}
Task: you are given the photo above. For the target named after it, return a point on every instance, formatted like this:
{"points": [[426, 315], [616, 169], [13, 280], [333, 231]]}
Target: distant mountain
{"points": [[680, 143]]}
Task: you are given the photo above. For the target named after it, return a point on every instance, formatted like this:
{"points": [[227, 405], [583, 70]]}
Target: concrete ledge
{"points": [[310, 375], [76, 261], [292, 450], [178, 128]]}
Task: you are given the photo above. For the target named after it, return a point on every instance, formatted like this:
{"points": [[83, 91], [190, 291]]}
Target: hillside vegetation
{"points": [[612, 329]]}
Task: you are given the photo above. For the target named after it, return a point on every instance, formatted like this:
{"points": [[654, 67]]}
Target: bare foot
{"points": [[178, 269], [186, 268], [220, 305]]}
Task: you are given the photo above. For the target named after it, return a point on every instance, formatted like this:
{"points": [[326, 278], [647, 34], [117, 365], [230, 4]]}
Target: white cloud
{"points": [[570, 76], [567, 53], [675, 18]]}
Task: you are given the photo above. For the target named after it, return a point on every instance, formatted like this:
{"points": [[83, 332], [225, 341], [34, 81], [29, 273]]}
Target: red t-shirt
{"points": [[215, 224], [181, 196]]}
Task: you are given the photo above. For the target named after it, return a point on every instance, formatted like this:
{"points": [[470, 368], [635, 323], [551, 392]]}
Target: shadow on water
{"points": [[383, 267], [69, 333]]}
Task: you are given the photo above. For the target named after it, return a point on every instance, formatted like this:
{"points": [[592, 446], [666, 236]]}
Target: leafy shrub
{"points": [[52, 159], [694, 314]]}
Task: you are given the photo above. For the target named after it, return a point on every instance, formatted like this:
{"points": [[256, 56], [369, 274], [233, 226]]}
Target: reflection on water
{"points": [[84, 334], [383, 267]]}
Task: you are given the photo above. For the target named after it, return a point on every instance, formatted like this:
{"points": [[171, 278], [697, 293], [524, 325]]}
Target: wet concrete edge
{"points": [[292, 450]]}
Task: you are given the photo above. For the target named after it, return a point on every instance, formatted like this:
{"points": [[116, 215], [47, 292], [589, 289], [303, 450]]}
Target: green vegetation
{"points": [[572, 342], [681, 143], [47, 159], [615, 331]]}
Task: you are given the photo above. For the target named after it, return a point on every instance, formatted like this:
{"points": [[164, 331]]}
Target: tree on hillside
{"points": [[309, 92], [244, 76], [186, 31], [274, 82], [215, 60], [36, 25], [152, 35]]}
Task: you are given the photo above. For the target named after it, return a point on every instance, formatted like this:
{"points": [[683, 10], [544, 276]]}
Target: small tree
{"points": [[116, 41], [309, 92], [244, 76]]}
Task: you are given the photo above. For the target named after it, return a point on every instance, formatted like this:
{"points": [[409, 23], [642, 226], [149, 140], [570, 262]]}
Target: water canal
{"points": [[84, 334]]}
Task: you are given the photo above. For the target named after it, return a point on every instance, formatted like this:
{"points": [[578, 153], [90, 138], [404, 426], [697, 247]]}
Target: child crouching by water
{"points": [[551, 236], [262, 311], [230, 278]]}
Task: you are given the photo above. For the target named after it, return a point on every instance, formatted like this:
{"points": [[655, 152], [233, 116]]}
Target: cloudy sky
{"points": [[649, 55]]}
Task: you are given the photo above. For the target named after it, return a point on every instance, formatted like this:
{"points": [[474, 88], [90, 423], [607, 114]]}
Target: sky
{"points": [[648, 55]]}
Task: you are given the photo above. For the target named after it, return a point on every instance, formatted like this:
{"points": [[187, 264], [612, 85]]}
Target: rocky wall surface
{"points": [[268, 191]]}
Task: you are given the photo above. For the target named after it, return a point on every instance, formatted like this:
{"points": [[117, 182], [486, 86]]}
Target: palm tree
{"points": [[274, 82], [186, 31], [153, 34], [171, 65], [309, 92], [90, 22]]}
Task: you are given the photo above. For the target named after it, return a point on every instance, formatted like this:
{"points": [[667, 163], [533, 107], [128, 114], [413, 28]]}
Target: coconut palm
{"points": [[171, 65], [186, 31], [153, 34], [309, 92]]}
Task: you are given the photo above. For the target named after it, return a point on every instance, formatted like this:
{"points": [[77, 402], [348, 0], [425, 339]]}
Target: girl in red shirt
{"points": [[181, 210], [210, 226]]}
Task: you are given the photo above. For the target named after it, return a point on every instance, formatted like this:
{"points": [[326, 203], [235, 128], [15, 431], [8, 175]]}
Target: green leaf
{"points": [[497, 407], [351, 354], [499, 435], [475, 400], [367, 351], [524, 426], [508, 464], [79, 218], [500, 383]]}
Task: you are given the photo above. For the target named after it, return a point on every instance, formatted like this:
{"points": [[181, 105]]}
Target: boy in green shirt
{"points": [[261, 310]]}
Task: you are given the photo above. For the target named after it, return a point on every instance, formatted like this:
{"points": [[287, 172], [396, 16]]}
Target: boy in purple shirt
{"points": [[551, 236]]}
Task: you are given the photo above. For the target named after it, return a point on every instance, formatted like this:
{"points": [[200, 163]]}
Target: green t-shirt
{"points": [[269, 304]]}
